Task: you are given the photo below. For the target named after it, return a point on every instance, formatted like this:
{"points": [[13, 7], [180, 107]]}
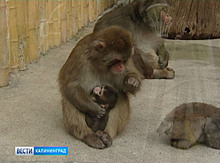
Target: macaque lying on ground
{"points": [[192, 123]]}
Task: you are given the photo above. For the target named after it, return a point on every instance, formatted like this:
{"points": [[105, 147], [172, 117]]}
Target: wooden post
{"points": [[194, 19], [85, 12], [63, 20], [56, 26], [43, 27], [33, 30], [75, 17], [50, 23], [82, 12], [4, 45], [21, 27], [28, 28], [27, 35], [13, 35], [91, 9], [95, 10], [69, 20]]}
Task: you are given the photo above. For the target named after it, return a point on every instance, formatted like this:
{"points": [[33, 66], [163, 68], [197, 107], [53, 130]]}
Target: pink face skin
{"points": [[167, 19], [98, 91]]}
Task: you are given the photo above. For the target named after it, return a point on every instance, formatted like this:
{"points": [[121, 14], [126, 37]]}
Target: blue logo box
{"points": [[51, 150]]}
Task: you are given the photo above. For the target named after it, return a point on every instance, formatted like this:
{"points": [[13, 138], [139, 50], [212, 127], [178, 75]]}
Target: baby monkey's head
{"points": [[105, 96]]}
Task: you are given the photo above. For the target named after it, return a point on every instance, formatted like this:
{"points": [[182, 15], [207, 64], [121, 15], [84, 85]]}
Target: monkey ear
{"points": [[99, 45]]}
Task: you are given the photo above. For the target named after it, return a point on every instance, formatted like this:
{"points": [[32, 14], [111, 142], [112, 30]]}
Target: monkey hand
{"points": [[131, 83], [105, 106], [101, 112]]}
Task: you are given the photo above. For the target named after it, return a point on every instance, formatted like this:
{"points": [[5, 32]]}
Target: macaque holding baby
{"points": [[107, 98], [192, 123]]}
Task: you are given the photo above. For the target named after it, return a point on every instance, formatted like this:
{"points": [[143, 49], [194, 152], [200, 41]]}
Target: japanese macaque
{"points": [[101, 58], [147, 20], [107, 98], [192, 123]]}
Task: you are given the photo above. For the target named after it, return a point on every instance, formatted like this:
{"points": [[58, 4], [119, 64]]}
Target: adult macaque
{"points": [[146, 20], [106, 97], [101, 58], [192, 123]]}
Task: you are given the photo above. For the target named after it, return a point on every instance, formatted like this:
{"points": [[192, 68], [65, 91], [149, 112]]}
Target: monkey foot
{"points": [[166, 73], [170, 73], [182, 144], [99, 140], [105, 137]]}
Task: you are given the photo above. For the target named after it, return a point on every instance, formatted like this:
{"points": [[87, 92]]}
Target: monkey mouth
{"points": [[117, 65]]}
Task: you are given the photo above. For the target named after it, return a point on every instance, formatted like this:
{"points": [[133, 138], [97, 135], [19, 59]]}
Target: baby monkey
{"points": [[106, 97], [192, 123]]}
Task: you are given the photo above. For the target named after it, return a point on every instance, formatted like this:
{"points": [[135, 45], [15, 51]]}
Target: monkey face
{"points": [[112, 48], [105, 95], [156, 15], [98, 91]]}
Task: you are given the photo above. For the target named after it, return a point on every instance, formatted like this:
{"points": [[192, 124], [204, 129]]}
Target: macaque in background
{"points": [[192, 123], [106, 97], [166, 22], [146, 21], [101, 58]]}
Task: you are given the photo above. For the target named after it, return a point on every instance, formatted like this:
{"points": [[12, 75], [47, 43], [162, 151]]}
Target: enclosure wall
{"points": [[30, 28]]}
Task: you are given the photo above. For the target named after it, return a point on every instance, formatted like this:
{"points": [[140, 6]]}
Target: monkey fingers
{"points": [[101, 112], [105, 106], [132, 81], [94, 141], [105, 137]]}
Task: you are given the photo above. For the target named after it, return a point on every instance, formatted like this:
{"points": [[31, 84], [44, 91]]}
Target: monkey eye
{"points": [[101, 92]]}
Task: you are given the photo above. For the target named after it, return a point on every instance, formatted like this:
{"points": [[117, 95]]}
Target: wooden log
{"points": [[33, 20], [196, 20], [63, 20], [96, 9], [69, 20], [21, 27], [4, 46], [27, 56], [43, 27], [56, 27], [85, 12], [75, 17], [103, 3], [82, 12], [50, 23], [13, 35], [79, 14], [91, 10]]}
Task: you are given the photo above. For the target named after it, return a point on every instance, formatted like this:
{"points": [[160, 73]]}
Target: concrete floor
{"points": [[30, 109]]}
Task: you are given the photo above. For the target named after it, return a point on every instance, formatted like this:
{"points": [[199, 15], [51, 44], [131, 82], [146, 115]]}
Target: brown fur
{"points": [[151, 50], [192, 123], [91, 63]]}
